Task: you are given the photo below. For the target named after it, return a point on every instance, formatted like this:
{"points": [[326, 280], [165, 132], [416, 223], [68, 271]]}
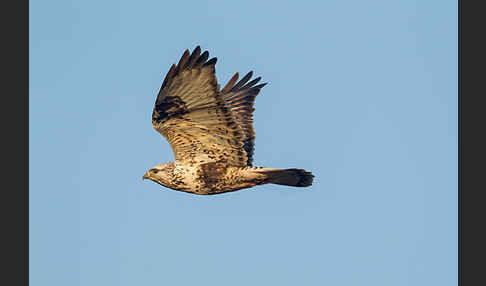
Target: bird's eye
{"points": [[154, 171]]}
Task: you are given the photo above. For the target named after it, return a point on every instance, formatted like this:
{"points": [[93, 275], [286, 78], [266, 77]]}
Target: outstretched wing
{"points": [[240, 98], [191, 114]]}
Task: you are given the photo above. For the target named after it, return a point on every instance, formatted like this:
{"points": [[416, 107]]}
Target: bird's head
{"points": [[160, 174]]}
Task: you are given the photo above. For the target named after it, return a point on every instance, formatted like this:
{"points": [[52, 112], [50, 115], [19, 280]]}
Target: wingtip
{"points": [[186, 53], [212, 61], [196, 51], [261, 85]]}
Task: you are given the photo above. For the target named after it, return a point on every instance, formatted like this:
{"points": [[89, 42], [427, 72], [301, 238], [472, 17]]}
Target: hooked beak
{"points": [[145, 176]]}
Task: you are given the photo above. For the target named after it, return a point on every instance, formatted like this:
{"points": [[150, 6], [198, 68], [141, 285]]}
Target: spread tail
{"points": [[288, 177]]}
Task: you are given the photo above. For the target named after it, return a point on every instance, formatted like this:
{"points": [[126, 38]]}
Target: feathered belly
{"points": [[216, 177]]}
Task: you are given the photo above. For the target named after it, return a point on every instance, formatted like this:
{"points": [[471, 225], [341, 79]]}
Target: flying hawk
{"points": [[211, 131]]}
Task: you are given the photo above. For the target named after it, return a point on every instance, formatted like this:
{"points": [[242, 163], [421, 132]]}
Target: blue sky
{"points": [[361, 93]]}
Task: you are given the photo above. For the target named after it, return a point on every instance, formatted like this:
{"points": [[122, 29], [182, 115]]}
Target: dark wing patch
{"points": [[169, 105], [240, 98]]}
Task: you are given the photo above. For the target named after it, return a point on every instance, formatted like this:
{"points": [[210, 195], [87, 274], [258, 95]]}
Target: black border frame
{"points": [[15, 134], [471, 145]]}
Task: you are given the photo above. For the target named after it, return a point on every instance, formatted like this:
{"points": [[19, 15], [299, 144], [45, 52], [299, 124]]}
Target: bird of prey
{"points": [[211, 131]]}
